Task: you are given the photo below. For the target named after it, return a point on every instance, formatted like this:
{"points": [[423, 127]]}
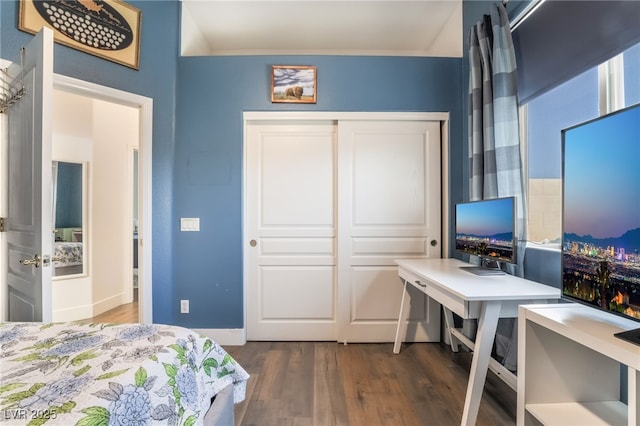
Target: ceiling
{"points": [[325, 27]]}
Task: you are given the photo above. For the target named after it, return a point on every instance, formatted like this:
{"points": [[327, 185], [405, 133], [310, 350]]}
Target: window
{"points": [[631, 59], [597, 91], [568, 104]]}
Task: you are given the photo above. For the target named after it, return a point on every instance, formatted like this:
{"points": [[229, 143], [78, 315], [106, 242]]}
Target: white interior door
{"points": [[29, 227], [389, 208], [290, 231]]}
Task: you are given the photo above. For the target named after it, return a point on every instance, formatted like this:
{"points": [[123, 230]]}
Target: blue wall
{"points": [[197, 142], [155, 79], [213, 92]]}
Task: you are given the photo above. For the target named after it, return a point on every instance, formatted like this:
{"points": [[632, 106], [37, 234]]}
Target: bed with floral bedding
{"points": [[111, 374]]}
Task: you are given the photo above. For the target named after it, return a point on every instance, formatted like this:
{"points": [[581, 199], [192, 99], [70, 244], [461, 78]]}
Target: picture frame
{"points": [[109, 29], [294, 84]]}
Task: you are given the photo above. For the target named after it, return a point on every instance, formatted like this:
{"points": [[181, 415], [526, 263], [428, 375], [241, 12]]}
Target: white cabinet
{"points": [[569, 367]]}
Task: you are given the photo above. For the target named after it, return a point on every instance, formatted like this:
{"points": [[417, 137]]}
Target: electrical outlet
{"points": [[184, 306]]}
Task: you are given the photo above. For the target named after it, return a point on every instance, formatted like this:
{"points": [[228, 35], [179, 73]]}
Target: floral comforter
{"points": [[111, 374]]}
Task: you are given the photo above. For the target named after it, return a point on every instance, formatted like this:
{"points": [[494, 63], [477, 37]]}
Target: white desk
{"points": [[485, 298]]}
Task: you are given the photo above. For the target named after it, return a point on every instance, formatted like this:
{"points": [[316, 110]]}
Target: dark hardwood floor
{"points": [[327, 383]]}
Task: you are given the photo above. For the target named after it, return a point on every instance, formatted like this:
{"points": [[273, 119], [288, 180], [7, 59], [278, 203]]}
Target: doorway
{"points": [[141, 207], [98, 138], [143, 107]]}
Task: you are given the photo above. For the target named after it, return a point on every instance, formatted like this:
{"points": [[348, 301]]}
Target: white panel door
{"points": [[290, 231], [29, 228], [389, 207]]}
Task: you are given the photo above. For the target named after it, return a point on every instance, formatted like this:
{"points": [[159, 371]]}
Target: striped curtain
{"points": [[494, 140]]}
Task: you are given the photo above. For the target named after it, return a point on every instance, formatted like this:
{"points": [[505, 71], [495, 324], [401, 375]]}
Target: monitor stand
{"points": [[632, 336], [482, 270]]}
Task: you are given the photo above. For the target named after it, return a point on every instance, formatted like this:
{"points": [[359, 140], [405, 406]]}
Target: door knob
{"points": [[253, 243], [434, 243], [35, 260]]}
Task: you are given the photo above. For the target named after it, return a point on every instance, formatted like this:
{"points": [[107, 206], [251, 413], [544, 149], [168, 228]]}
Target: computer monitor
{"points": [[486, 229]]}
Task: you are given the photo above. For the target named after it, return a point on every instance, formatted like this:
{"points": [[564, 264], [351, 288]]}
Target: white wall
{"points": [[115, 133], [191, 38]]}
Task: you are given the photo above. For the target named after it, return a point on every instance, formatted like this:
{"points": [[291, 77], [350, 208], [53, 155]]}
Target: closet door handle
{"points": [[253, 243], [434, 243]]}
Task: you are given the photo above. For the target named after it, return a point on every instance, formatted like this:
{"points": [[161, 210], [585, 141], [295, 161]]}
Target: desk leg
{"points": [[487, 324], [401, 330], [448, 320]]}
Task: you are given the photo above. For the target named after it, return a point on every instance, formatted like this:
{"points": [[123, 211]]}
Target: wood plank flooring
{"points": [[327, 383]]}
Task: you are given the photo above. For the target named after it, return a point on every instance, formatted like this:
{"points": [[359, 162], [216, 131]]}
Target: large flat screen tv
{"points": [[486, 229], [601, 214]]}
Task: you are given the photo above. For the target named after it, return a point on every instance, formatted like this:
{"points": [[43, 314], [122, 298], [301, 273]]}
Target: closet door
{"points": [[290, 231], [389, 207]]}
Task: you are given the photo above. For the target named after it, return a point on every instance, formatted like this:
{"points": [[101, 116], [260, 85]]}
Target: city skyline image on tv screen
{"points": [[601, 213]]}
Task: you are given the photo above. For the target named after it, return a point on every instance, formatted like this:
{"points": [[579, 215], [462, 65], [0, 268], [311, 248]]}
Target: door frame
{"points": [[4, 209], [145, 149], [263, 117]]}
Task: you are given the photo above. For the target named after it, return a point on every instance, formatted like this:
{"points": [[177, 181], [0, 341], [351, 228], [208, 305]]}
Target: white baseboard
{"points": [[74, 313], [107, 304], [225, 336], [79, 312]]}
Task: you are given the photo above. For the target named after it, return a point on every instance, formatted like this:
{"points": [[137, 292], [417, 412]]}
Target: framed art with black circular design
{"points": [[109, 29]]}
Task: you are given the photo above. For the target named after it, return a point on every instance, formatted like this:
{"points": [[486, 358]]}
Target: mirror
{"points": [[68, 216]]}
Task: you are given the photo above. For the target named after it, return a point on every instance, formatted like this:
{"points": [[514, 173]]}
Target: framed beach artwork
{"points": [[109, 29], [293, 83]]}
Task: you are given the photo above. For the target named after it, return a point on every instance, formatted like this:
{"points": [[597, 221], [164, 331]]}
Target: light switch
{"points": [[189, 224]]}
